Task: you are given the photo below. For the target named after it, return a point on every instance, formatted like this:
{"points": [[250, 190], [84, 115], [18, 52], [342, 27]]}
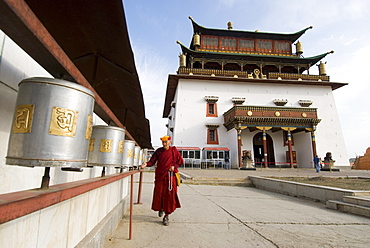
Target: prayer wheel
{"points": [[128, 153], [322, 69], [196, 40], [182, 60], [106, 146], [52, 124], [299, 48], [136, 156]]}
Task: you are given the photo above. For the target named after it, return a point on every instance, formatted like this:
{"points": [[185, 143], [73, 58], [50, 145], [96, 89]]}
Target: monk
{"points": [[168, 159]]}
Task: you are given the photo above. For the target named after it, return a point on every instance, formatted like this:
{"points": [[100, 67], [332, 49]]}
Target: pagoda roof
{"points": [[247, 34], [253, 56]]}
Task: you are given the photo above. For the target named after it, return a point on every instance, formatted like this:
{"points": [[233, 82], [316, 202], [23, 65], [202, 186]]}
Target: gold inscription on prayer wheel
{"points": [[63, 122], [120, 146], [89, 127], [106, 145], [91, 145], [130, 153], [23, 118]]}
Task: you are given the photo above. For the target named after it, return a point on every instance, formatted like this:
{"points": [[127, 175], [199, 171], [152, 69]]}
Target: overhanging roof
{"points": [[93, 34], [247, 34], [250, 57], [216, 149]]}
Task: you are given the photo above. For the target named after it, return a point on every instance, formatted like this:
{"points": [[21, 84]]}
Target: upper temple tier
{"points": [[228, 52]]}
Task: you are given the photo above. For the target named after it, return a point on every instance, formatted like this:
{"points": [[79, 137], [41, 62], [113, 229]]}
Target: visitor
{"points": [[227, 163], [316, 162]]}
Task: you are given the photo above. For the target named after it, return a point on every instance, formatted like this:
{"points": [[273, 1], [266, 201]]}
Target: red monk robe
{"points": [[165, 190]]}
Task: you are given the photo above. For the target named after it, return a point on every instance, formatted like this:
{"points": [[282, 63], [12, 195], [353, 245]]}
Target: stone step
{"points": [[243, 182], [348, 208], [358, 200]]}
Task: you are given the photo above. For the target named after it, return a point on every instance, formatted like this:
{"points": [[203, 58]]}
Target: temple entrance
{"points": [[258, 151]]}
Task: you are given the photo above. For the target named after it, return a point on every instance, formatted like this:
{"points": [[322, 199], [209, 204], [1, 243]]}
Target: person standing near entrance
{"points": [[227, 163], [168, 160], [316, 161]]}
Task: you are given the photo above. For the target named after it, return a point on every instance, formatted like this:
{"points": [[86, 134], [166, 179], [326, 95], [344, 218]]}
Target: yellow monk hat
{"points": [[165, 138]]}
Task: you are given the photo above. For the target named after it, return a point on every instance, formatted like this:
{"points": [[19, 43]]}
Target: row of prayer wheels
{"points": [[53, 127]]}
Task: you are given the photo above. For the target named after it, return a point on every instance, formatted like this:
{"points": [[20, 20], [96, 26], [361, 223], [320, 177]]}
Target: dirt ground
{"points": [[337, 182]]}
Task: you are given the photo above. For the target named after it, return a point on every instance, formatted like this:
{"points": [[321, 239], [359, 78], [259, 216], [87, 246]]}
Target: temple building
{"points": [[247, 96]]}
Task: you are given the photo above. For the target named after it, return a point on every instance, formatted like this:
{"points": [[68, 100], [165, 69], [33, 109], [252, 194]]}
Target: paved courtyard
{"points": [[225, 216]]}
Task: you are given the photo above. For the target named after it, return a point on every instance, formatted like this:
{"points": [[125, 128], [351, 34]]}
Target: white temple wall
{"points": [[191, 120]]}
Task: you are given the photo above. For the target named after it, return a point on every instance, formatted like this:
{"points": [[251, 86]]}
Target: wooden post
{"points": [[290, 149], [240, 161], [264, 140]]}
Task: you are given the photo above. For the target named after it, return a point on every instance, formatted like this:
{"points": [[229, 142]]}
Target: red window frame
{"points": [[212, 133], [209, 109]]}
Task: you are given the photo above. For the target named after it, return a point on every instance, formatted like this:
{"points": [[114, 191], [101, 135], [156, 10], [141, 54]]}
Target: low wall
{"points": [[314, 192], [64, 215]]}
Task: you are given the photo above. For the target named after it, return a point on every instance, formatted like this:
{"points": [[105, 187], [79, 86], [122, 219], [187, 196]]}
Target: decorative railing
{"points": [[245, 74], [292, 76]]}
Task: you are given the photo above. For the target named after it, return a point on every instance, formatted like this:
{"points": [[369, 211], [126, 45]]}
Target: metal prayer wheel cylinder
{"points": [[141, 156], [52, 124], [128, 153], [145, 154], [106, 146], [182, 60], [299, 48], [322, 68], [196, 40], [136, 155]]}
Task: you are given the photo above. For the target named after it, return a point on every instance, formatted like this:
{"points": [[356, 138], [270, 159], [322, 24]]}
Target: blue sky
{"points": [[339, 25]]}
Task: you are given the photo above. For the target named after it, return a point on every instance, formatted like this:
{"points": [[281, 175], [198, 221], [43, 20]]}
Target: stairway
{"points": [[359, 205]]}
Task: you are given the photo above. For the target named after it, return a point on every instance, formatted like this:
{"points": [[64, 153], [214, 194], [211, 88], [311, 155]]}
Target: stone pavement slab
{"points": [[225, 216]]}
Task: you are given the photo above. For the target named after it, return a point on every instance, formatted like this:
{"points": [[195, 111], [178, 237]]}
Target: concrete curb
{"points": [[314, 192]]}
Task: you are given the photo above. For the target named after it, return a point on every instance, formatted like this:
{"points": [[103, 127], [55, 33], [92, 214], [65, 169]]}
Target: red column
{"points": [[264, 140], [240, 161], [313, 143], [289, 136]]}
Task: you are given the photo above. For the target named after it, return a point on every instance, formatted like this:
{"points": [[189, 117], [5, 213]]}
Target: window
{"points": [[212, 136], [191, 154], [184, 154], [211, 109], [282, 47], [197, 155], [221, 155], [215, 154], [228, 44], [264, 46], [246, 45], [210, 42], [227, 155]]}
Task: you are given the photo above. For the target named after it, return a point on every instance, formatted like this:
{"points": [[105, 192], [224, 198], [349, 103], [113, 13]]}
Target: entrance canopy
{"points": [[253, 117]]}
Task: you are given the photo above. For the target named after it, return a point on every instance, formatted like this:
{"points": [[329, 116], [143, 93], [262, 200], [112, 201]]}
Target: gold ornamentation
{"points": [[263, 128], [120, 146], [89, 127], [288, 128], [23, 118], [91, 145], [304, 114], [249, 113], [277, 113], [63, 122], [106, 145], [130, 153]]}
